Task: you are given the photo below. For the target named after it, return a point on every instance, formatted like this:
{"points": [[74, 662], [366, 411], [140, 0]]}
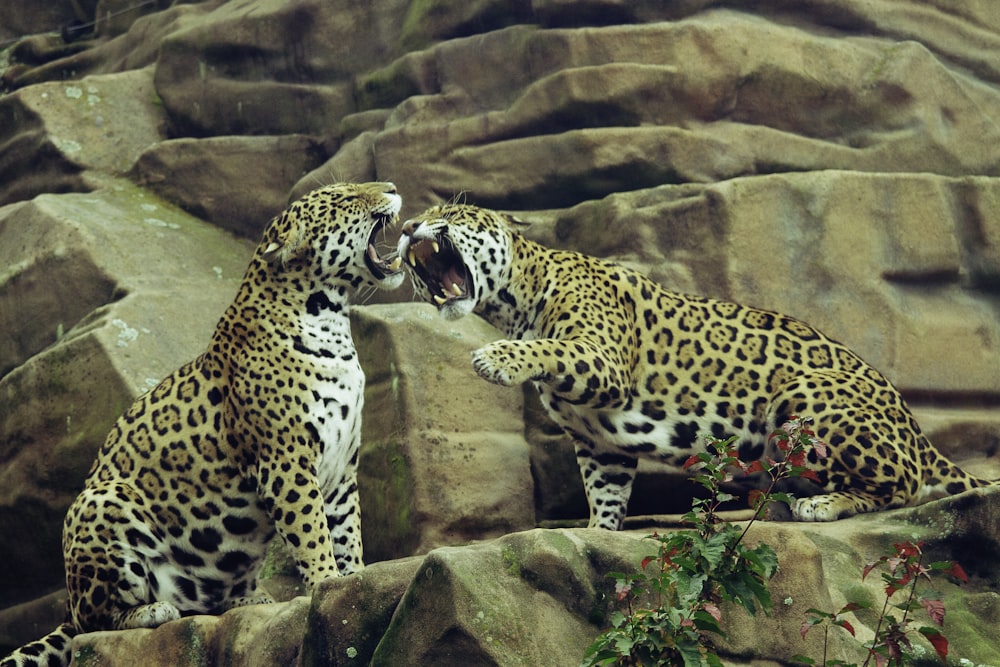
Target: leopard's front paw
{"points": [[499, 363]]}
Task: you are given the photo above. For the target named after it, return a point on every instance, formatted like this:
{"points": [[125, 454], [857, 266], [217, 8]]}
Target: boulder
{"points": [[236, 183], [444, 460], [53, 135], [540, 597], [278, 68], [523, 118]]}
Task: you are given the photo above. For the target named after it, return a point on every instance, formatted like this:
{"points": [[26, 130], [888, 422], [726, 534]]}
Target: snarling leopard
{"points": [[632, 370]]}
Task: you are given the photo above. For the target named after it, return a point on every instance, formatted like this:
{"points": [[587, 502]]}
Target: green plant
{"points": [[693, 571], [891, 645]]}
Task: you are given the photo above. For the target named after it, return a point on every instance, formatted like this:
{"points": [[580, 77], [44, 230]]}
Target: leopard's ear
{"points": [[515, 222], [272, 253], [283, 238]]}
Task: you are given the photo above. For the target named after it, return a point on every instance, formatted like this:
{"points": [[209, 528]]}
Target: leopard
{"points": [[631, 370], [256, 437]]}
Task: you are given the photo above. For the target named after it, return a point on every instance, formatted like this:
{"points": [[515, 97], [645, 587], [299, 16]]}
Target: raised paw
{"points": [[499, 363]]}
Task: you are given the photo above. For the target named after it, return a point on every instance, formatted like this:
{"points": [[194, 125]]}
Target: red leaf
{"points": [[755, 466], [957, 572], [847, 626], [622, 589], [713, 611], [810, 475], [934, 609], [939, 642], [804, 630], [820, 448], [893, 588], [647, 560], [692, 460], [797, 458]]}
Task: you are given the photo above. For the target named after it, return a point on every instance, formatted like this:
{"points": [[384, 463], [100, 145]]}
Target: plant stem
{"points": [[913, 586], [878, 628], [762, 505]]}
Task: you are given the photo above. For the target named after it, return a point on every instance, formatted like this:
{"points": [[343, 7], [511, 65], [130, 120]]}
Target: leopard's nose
{"points": [[410, 226]]}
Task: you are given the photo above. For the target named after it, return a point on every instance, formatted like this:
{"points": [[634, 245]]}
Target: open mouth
{"points": [[439, 266], [382, 266]]}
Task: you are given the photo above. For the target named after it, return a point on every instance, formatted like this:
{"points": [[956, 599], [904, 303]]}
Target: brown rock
{"points": [[444, 460], [237, 183], [53, 133], [281, 68], [540, 597]]}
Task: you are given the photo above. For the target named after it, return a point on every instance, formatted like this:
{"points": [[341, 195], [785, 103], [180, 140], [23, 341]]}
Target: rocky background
{"points": [[838, 160]]}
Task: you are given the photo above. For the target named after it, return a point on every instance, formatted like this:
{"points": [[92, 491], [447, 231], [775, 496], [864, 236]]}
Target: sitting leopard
{"points": [[257, 435], [629, 369]]}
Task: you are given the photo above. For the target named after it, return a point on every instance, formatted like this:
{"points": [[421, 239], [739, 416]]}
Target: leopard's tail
{"points": [[943, 478], [52, 650]]}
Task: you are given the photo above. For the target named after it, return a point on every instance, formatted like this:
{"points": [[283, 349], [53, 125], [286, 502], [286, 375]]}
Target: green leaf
{"points": [[712, 660], [707, 623], [762, 559], [623, 645], [786, 498], [819, 613], [712, 549], [691, 654]]}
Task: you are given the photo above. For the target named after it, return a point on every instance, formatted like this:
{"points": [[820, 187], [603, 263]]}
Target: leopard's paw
{"points": [[151, 615], [499, 363], [826, 507]]}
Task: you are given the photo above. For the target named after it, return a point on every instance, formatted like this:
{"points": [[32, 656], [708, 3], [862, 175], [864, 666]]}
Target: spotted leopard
{"points": [[257, 435], [631, 370]]}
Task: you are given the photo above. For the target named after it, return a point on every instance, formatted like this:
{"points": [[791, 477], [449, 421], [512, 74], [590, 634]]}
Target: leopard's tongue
{"points": [[452, 286], [377, 259], [453, 282]]}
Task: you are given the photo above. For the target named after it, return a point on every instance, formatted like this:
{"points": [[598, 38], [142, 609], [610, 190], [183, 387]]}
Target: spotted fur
{"points": [[258, 435], [631, 370]]}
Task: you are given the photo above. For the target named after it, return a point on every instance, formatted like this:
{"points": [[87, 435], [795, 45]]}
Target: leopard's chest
{"points": [[335, 414]]}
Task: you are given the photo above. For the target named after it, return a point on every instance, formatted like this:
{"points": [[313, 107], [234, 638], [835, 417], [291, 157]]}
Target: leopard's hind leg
{"points": [[873, 443], [109, 540]]}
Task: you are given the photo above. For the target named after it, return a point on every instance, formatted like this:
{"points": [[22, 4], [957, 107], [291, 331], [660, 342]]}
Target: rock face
{"points": [[837, 160], [537, 598]]}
